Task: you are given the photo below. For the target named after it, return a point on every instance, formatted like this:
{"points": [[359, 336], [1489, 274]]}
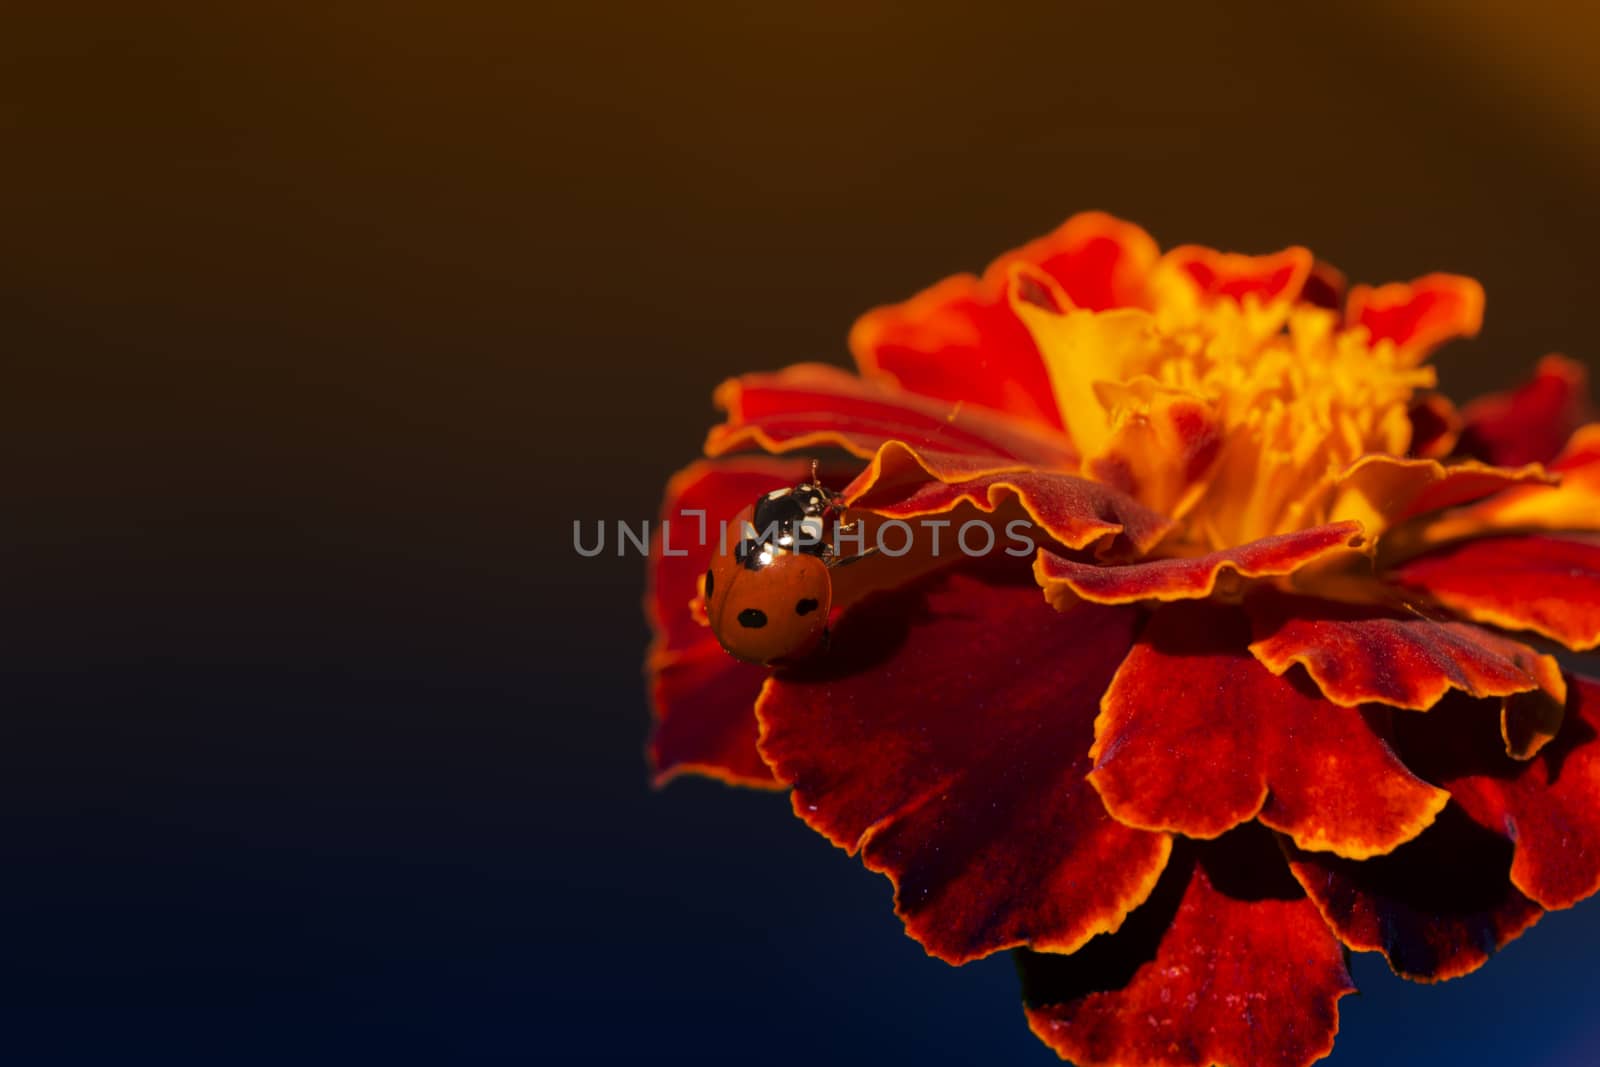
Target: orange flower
{"points": [[1282, 693]]}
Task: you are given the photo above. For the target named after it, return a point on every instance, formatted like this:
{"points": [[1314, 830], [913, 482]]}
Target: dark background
{"points": [[318, 743]]}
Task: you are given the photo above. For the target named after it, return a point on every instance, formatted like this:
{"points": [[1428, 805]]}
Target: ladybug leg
{"points": [[840, 561]]}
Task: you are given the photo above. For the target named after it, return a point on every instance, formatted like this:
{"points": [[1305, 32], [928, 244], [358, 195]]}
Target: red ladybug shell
{"points": [[777, 611]]}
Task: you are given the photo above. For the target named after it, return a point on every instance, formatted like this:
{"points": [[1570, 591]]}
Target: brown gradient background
{"points": [[325, 322]]}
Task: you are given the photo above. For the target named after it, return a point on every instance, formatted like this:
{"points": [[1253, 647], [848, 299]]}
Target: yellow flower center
{"points": [[1235, 419]]}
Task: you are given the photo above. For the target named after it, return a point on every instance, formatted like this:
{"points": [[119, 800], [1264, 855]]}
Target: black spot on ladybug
{"points": [[709, 583], [752, 619], [805, 607]]}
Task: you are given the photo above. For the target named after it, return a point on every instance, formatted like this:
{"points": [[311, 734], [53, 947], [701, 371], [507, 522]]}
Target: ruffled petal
{"points": [[1532, 422], [1418, 316], [1547, 808], [814, 406], [1196, 737], [946, 737], [1225, 293], [1066, 581], [1227, 963], [1277, 278], [1075, 512], [1548, 585], [1359, 654], [704, 699], [1381, 491], [1436, 907], [960, 340], [1574, 504]]}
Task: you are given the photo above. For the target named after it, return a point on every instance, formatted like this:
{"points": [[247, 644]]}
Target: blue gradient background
{"points": [[320, 746]]}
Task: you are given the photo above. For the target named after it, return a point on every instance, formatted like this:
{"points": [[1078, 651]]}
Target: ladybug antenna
{"points": [[814, 473]]}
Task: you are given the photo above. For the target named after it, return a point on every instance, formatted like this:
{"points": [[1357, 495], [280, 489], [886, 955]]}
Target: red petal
{"points": [[1548, 807], [1099, 261], [1226, 275], [813, 406], [704, 699], [1074, 511], [1228, 962], [1531, 423], [1418, 316], [1196, 737], [946, 736], [960, 340], [1435, 426], [1358, 654], [1066, 581], [1548, 585], [1436, 907]]}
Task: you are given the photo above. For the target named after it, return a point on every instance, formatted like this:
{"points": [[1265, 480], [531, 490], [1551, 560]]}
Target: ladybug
{"points": [[768, 592]]}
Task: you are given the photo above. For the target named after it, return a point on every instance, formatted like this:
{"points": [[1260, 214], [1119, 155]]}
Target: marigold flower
{"points": [[1276, 685]]}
